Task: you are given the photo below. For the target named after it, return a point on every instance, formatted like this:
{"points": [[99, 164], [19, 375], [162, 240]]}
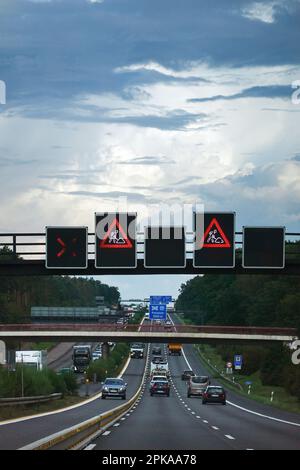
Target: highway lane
{"points": [[248, 431], [161, 423], [19, 434]]}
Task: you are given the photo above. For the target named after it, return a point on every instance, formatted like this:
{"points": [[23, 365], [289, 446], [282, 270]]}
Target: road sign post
{"points": [[115, 243], [214, 245], [158, 312], [66, 247], [238, 362], [160, 299]]}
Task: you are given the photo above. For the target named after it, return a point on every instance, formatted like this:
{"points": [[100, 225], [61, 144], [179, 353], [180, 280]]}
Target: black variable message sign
{"points": [[115, 243], [214, 240], [164, 247], [66, 247], [263, 247]]}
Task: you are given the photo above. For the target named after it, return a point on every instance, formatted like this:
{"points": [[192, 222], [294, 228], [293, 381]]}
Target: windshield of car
{"points": [[200, 380], [114, 382], [160, 382], [215, 390]]}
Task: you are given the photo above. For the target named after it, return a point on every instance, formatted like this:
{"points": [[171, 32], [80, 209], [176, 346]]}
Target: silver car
{"points": [[197, 385], [114, 388]]}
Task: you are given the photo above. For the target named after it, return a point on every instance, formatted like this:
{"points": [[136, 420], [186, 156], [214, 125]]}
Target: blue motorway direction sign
{"points": [[158, 312], [238, 361], [160, 299]]}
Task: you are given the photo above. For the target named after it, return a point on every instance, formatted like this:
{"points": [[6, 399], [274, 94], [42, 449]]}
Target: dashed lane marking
{"points": [[230, 437], [90, 447]]}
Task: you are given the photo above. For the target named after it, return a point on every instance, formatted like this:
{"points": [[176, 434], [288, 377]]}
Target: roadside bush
{"points": [[70, 382], [109, 367]]}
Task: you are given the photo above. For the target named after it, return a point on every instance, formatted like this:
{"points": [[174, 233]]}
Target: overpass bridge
{"points": [[95, 332]]}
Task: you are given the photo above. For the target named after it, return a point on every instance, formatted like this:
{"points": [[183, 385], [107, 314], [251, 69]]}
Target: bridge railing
{"points": [[33, 245], [98, 328]]}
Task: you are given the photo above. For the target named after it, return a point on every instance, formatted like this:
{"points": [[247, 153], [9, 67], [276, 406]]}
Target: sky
{"points": [[173, 102]]}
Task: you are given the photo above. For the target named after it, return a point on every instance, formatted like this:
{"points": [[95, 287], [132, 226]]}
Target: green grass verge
{"points": [[14, 412], [259, 392]]}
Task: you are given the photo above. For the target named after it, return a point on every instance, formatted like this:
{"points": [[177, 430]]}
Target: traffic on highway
{"points": [[149, 230]]}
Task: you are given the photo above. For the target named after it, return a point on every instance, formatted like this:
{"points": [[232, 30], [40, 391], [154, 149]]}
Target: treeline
{"points": [[19, 294], [249, 300], [246, 300]]}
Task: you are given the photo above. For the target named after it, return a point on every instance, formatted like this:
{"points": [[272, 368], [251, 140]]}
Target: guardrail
{"points": [[78, 436], [29, 400]]}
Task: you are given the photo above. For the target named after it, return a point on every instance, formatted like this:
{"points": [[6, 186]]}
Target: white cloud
{"points": [[264, 12]]}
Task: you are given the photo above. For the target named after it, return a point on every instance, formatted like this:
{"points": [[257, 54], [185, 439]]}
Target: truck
{"points": [[159, 368], [137, 350], [34, 359], [82, 356], [174, 349]]}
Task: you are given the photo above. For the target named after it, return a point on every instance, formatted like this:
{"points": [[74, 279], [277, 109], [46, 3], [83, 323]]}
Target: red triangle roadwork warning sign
{"points": [[115, 237], [214, 237]]}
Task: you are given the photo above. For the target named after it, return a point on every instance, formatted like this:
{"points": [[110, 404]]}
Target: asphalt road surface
{"points": [[19, 434], [181, 423]]}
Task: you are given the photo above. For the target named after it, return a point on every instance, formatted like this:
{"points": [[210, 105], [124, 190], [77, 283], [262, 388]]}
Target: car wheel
{"points": [[224, 403], [124, 397], [168, 394], [103, 397], [203, 402]]}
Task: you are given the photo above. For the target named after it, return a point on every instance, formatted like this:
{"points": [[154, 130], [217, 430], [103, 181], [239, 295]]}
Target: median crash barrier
{"points": [[79, 435], [29, 400]]}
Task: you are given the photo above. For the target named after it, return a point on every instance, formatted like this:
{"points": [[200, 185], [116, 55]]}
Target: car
{"points": [[96, 356], [186, 374], [160, 387], [197, 385], [214, 394], [156, 360], [113, 387], [65, 370], [156, 350], [159, 375]]}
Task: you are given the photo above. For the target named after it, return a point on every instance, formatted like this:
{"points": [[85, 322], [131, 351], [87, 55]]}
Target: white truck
{"points": [[161, 368], [137, 350]]}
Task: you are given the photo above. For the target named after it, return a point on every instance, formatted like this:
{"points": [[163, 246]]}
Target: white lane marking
{"points": [[263, 416], [90, 447], [116, 425], [204, 421], [230, 437], [215, 427], [249, 449], [106, 433], [193, 413], [242, 408], [199, 417], [123, 419]]}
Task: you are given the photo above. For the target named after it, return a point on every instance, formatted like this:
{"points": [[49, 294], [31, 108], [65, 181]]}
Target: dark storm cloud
{"points": [[53, 51], [268, 91]]}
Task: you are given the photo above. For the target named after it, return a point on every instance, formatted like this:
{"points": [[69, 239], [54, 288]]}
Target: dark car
{"points": [[214, 394], [156, 350], [156, 360], [186, 374], [114, 388], [160, 387]]}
